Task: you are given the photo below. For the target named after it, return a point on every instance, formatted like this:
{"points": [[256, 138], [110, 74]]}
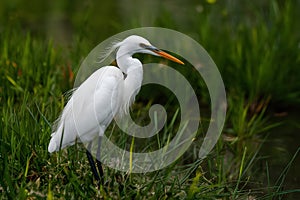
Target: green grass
{"points": [[259, 62]]}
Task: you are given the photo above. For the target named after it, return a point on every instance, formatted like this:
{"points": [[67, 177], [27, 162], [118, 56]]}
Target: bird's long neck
{"points": [[133, 70]]}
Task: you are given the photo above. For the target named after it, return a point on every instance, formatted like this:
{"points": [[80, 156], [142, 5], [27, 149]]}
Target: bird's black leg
{"points": [[92, 163], [98, 160]]}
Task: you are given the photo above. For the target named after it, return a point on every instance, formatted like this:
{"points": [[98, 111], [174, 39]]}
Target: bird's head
{"points": [[137, 44]]}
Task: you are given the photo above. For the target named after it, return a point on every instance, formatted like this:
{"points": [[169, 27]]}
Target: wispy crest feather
{"points": [[109, 50]]}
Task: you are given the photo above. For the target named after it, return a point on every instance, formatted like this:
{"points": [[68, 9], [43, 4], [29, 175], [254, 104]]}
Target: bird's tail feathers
{"points": [[52, 145], [56, 138]]}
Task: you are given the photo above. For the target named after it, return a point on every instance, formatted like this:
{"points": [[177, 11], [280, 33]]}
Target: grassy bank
{"points": [[255, 46]]}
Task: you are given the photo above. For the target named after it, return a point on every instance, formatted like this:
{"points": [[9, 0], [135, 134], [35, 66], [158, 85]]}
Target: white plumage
{"points": [[104, 94]]}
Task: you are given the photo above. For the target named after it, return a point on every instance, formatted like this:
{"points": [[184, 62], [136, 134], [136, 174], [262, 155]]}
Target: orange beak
{"points": [[168, 56], [161, 53]]}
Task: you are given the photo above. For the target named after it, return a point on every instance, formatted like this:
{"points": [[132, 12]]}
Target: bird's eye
{"points": [[143, 45], [151, 48]]}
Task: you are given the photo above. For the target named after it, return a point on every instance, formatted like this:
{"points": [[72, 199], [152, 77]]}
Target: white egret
{"points": [[118, 88]]}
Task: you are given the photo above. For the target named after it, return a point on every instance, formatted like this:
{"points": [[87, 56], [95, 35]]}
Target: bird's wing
{"points": [[90, 109]]}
